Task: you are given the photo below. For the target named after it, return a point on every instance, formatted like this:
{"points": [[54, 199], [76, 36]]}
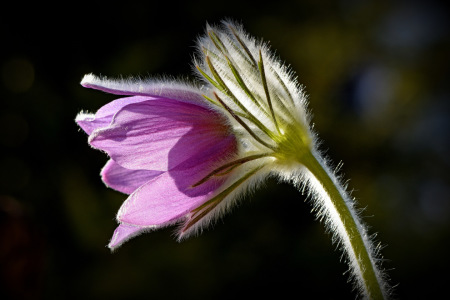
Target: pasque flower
{"points": [[185, 153]]}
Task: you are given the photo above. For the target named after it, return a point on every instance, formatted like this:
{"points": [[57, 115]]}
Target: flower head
{"points": [[185, 153]]}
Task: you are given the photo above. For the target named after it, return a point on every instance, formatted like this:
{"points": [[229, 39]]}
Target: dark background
{"points": [[377, 76]]}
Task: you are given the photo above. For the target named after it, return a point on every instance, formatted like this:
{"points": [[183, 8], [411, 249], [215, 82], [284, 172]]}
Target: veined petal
{"points": [[164, 200], [141, 135], [171, 195], [123, 233], [125, 180], [103, 117], [162, 89]]}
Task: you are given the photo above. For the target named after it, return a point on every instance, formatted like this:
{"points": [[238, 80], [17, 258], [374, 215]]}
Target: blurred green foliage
{"points": [[377, 75]]}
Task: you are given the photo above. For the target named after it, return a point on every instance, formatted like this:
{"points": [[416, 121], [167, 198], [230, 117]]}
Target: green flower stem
{"points": [[352, 238]]}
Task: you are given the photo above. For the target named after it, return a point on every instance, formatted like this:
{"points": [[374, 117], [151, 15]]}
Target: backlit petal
{"points": [[171, 196], [103, 117], [123, 233], [162, 200], [125, 180], [141, 135]]}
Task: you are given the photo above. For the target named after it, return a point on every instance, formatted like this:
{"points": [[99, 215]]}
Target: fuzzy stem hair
{"points": [[336, 209]]}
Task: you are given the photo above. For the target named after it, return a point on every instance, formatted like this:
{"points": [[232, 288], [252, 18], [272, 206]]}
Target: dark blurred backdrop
{"points": [[377, 75]]}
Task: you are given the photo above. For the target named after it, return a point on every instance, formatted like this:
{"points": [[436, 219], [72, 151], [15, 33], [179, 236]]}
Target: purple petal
{"points": [[161, 89], [125, 180], [103, 117], [171, 196], [141, 135], [123, 233], [159, 201]]}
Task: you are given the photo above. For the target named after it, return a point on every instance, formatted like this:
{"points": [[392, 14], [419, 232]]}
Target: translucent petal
{"points": [[103, 117], [125, 180], [170, 196], [123, 233], [141, 135]]}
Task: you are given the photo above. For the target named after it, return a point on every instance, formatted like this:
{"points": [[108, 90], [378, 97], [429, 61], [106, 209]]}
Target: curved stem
{"points": [[342, 216]]}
